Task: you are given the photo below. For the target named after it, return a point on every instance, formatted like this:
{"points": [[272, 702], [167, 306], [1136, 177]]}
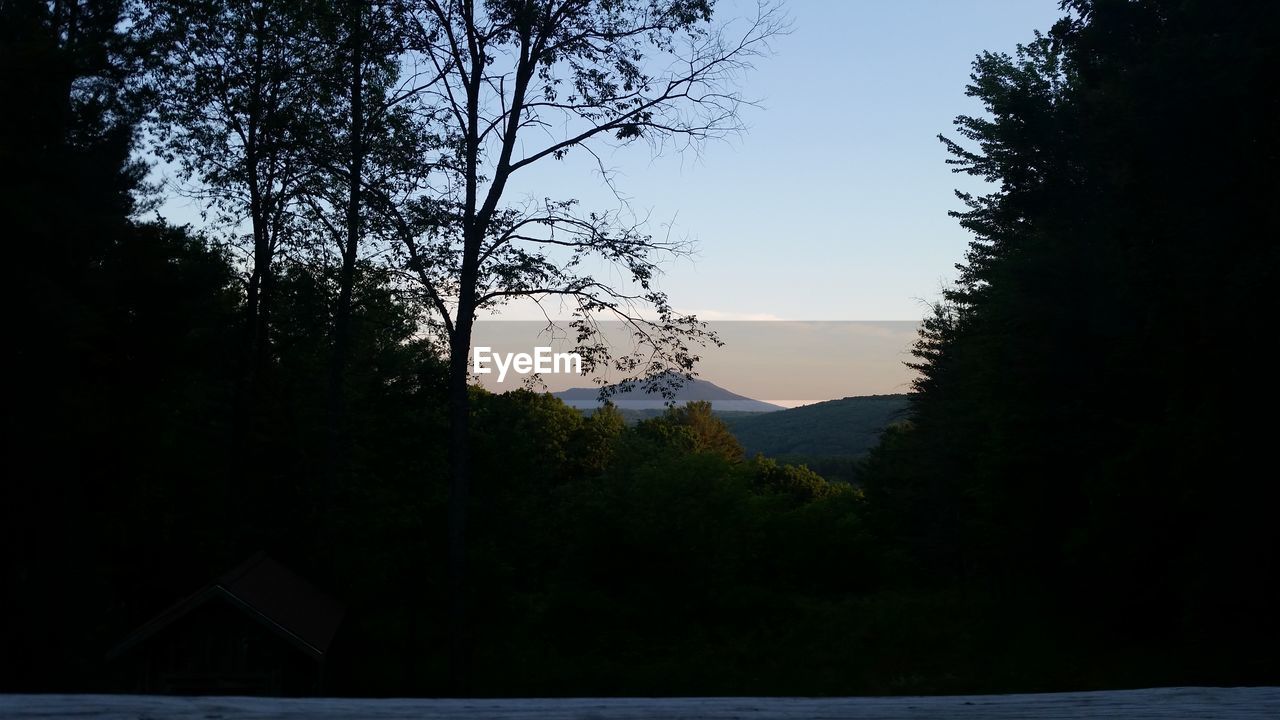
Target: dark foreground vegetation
{"points": [[1081, 497]]}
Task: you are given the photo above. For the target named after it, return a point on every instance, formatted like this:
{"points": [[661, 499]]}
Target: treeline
{"points": [[183, 398], [1090, 429], [1077, 500]]}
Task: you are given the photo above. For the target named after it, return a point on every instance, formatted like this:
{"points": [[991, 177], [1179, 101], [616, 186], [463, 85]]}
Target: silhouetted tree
{"points": [[237, 109], [114, 324], [1075, 423], [601, 71]]}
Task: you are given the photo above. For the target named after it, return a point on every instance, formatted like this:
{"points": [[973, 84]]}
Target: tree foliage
{"points": [[1076, 499], [1076, 423]]}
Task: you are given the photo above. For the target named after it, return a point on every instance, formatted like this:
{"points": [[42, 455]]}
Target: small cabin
{"points": [[260, 629]]}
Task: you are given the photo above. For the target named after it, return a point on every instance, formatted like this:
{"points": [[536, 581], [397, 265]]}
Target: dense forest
{"points": [[1087, 432], [1077, 497]]}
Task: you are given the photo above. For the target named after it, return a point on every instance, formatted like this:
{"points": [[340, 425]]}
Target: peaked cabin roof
{"points": [[270, 594]]}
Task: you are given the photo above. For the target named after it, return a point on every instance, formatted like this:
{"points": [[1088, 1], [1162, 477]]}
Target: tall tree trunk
{"points": [[253, 307], [459, 476], [473, 232], [350, 247], [259, 293], [459, 490], [260, 277]]}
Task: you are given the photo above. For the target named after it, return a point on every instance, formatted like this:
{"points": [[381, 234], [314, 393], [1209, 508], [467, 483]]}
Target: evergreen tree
{"points": [[1077, 421]]}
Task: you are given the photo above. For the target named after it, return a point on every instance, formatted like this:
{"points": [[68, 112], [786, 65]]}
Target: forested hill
{"points": [[847, 427]]}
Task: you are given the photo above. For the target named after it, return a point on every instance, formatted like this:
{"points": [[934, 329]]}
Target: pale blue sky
{"points": [[834, 204]]}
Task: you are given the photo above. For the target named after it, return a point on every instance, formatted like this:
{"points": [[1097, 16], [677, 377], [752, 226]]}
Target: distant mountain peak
{"points": [[690, 390]]}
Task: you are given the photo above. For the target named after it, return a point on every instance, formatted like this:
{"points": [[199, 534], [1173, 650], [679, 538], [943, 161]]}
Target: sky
{"points": [[833, 205]]}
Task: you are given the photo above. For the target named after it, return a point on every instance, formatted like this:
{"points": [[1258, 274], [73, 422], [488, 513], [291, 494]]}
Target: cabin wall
{"points": [[217, 649]]}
